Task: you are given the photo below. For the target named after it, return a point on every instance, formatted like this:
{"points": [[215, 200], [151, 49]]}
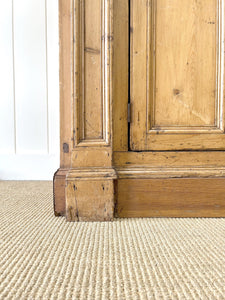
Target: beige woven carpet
{"points": [[44, 257]]}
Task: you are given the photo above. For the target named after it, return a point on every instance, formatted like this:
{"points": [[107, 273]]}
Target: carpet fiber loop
{"points": [[45, 257]]}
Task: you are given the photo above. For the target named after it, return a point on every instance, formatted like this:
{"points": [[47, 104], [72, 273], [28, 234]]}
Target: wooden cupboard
{"points": [[142, 109]]}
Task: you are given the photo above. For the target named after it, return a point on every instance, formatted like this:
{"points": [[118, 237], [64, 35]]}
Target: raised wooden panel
{"points": [[92, 58], [120, 74], [185, 94], [177, 68]]}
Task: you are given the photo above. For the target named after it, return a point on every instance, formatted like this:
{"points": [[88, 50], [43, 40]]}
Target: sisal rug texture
{"points": [[45, 257]]}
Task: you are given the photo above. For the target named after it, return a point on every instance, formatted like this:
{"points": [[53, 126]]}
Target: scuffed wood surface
{"points": [[120, 74], [94, 56], [177, 75], [185, 197], [66, 83], [170, 159], [90, 200], [59, 184]]}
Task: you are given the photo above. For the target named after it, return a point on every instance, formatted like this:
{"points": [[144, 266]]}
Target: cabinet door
{"points": [[176, 75]]}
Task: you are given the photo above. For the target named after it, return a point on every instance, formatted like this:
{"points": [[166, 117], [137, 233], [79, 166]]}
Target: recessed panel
{"points": [[92, 70], [185, 63], [92, 27], [177, 75]]}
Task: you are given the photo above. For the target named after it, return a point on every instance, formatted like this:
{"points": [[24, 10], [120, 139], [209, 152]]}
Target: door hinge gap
{"points": [[129, 113]]}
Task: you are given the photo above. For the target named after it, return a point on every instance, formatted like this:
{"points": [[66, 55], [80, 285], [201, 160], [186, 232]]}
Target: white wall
{"points": [[29, 89]]}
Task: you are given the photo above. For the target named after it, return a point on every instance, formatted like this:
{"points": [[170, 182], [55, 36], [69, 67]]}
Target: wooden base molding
{"points": [[182, 197], [59, 184], [153, 173], [99, 194]]}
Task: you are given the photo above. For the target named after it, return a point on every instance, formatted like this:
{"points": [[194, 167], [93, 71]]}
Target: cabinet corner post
{"points": [[86, 177]]}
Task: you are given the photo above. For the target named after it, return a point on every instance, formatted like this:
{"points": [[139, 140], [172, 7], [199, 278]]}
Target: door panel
{"points": [[176, 74]]}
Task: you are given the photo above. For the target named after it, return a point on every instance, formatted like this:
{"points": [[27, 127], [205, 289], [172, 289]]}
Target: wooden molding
{"points": [[91, 173], [66, 92], [163, 172], [66, 81], [92, 72], [177, 197]]}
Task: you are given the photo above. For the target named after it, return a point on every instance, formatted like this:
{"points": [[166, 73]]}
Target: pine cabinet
{"points": [[142, 109]]}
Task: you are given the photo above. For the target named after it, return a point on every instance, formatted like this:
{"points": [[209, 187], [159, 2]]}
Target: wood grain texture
{"points": [[177, 66], [185, 94], [90, 200], [91, 173], [170, 159], [66, 104], [147, 183], [192, 197], [92, 129], [86, 60], [93, 50], [92, 72], [91, 157], [66, 80], [138, 73], [166, 172], [120, 74], [90, 194], [59, 184]]}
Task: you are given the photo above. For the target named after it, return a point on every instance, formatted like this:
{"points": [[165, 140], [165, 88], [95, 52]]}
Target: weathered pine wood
{"points": [[194, 197], [92, 72], [66, 90], [120, 74], [177, 75], [166, 172], [175, 106], [89, 189], [59, 186], [90, 194], [97, 196], [66, 81], [174, 159]]}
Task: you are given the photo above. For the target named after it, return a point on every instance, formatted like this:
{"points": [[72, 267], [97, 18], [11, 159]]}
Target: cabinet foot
{"points": [[59, 184], [90, 194]]}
